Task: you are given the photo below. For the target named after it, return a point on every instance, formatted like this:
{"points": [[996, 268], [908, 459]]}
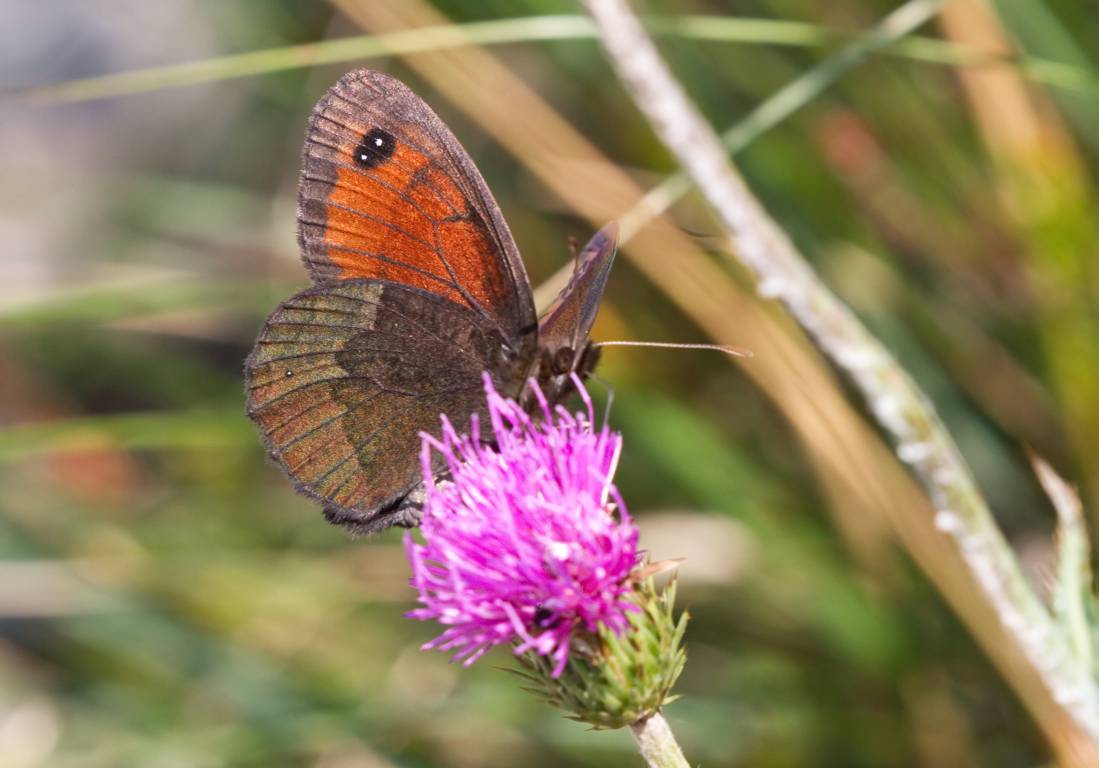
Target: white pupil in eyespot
{"points": [[378, 141]]}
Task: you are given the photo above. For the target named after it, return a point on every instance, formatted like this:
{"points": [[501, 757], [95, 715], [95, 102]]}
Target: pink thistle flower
{"points": [[528, 541]]}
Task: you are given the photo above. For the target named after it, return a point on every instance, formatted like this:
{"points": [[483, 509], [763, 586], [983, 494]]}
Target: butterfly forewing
{"points": [[387, 192]]}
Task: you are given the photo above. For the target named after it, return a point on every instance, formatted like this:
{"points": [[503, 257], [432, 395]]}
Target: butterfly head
{"points": [[558, 368], [563, 331]]}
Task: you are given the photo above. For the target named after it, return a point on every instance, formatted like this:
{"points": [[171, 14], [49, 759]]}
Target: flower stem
{"points": [[657, 744]]}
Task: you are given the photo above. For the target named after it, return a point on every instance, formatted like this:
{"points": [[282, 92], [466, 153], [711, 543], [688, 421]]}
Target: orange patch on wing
{"points": [[434, 190], [374, 231], [399, 220], [465, 239], [411, 172]]}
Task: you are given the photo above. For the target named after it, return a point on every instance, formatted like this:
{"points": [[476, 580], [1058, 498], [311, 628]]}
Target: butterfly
{"points": [[418, 288]]}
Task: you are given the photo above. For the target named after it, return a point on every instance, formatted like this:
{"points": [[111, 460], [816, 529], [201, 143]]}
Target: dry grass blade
{"points": [[718, 29]]}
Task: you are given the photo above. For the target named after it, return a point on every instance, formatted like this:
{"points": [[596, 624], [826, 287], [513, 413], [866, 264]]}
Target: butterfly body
{"points": [[418, 290]]}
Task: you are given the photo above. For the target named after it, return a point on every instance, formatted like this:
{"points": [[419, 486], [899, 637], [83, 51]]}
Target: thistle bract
{"points": [[527, 541]]}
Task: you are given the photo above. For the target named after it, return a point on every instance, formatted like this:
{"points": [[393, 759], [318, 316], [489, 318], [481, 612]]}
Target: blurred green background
{"points": [[166, 599]]}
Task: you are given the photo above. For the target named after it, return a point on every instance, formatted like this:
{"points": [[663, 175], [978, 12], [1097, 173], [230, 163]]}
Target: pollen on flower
{"points": [[528, 541]]}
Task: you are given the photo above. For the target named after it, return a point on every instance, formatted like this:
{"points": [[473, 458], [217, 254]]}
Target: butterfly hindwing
{"points": [[387, 192], [345, 376], [567, 322]]}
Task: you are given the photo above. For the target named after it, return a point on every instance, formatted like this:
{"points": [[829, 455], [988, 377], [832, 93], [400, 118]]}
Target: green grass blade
{"points": [[1075, 75]]}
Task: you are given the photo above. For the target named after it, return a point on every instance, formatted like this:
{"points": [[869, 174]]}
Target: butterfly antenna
{"points": [[731, 351]]}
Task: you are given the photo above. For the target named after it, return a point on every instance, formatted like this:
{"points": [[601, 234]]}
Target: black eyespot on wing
{"points": [[376, 147]]}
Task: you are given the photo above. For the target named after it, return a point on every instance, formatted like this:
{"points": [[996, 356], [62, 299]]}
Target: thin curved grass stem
{"points": [[716, 29]]}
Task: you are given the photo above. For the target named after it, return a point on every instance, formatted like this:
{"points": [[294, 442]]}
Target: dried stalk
{"points": [[920, 439]]}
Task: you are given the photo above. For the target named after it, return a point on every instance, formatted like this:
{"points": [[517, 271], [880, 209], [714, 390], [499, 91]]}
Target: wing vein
{"points": [[347, 411]]}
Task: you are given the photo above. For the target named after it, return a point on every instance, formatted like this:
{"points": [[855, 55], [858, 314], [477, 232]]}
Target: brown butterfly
{"points": [[418, 289]]}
